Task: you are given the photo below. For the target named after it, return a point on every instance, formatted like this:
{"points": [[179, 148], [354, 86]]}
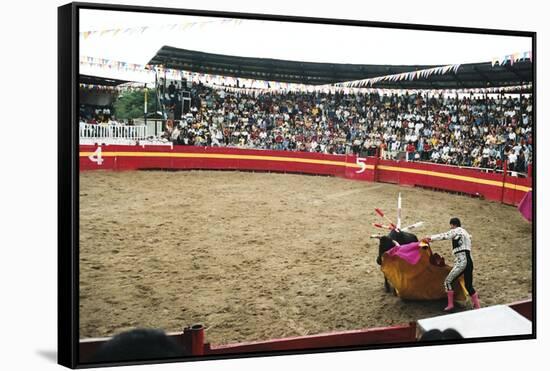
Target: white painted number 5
{"points": [[96, 156], [359, 161]]}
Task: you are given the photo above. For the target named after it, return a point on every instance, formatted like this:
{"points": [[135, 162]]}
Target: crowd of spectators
{"points": [[474, 131], [94, 114]]}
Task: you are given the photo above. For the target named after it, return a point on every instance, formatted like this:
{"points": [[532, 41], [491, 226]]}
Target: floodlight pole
{"points": [[471, 97], [156, 100], [145, 105], [427, 106], [501, 104], [457, 120], [521, 111], [486, 109]]}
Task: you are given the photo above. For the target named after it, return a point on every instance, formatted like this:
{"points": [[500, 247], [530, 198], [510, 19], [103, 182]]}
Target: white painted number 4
{"points": [[359, 161], [96, 156]]}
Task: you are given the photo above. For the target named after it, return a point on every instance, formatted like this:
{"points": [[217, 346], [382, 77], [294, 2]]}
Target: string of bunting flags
{"points": [[409, 76], [380, 91], [168, 27], [512, 58], [114, 89], [110, 64], [253, 86], [99, 87]]}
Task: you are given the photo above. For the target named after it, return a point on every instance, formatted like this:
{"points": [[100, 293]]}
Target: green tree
{"points": [[129, 105]]}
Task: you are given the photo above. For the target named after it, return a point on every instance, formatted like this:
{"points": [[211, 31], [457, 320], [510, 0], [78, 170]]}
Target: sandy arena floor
{"points": [[255, 256]]}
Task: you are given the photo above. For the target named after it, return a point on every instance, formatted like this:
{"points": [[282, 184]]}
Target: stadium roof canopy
{"points": [[471, 75]]}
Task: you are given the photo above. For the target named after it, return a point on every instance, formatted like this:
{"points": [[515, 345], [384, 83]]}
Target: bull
{"points": [[388, 242], [422, 280]]}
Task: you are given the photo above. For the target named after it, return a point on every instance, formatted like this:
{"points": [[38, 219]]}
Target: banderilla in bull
{"points": [[382, 226], [381, 213]]}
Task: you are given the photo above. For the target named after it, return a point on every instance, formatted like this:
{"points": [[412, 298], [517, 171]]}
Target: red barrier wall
{"points": [[496, 187], [384, 335], [352, 338]]}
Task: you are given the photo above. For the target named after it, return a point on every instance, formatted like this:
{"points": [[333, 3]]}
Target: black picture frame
{"points": [[68, 175]]}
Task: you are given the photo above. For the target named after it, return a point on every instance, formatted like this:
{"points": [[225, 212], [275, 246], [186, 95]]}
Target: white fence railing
{"points": [[124, 132]]}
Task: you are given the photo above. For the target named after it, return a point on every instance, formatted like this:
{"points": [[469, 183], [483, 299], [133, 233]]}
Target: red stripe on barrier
{"points": [[496, 187]]}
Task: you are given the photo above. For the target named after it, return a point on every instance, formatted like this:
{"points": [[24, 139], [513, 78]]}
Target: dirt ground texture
{"points": [[256, 256]]}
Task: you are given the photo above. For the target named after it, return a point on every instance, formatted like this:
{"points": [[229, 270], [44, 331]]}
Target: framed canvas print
{"points": [[229, 189]]}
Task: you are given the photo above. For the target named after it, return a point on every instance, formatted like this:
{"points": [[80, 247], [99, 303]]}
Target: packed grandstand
{"points": [[470, 131], [471, 115]]}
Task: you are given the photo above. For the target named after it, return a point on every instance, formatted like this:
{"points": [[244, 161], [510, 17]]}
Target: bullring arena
{"points": [[256, 256], [229, 200]]}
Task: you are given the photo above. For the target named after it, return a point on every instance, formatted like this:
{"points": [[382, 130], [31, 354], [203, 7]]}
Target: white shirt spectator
{"points": [[395, 146], [175, 134]]}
